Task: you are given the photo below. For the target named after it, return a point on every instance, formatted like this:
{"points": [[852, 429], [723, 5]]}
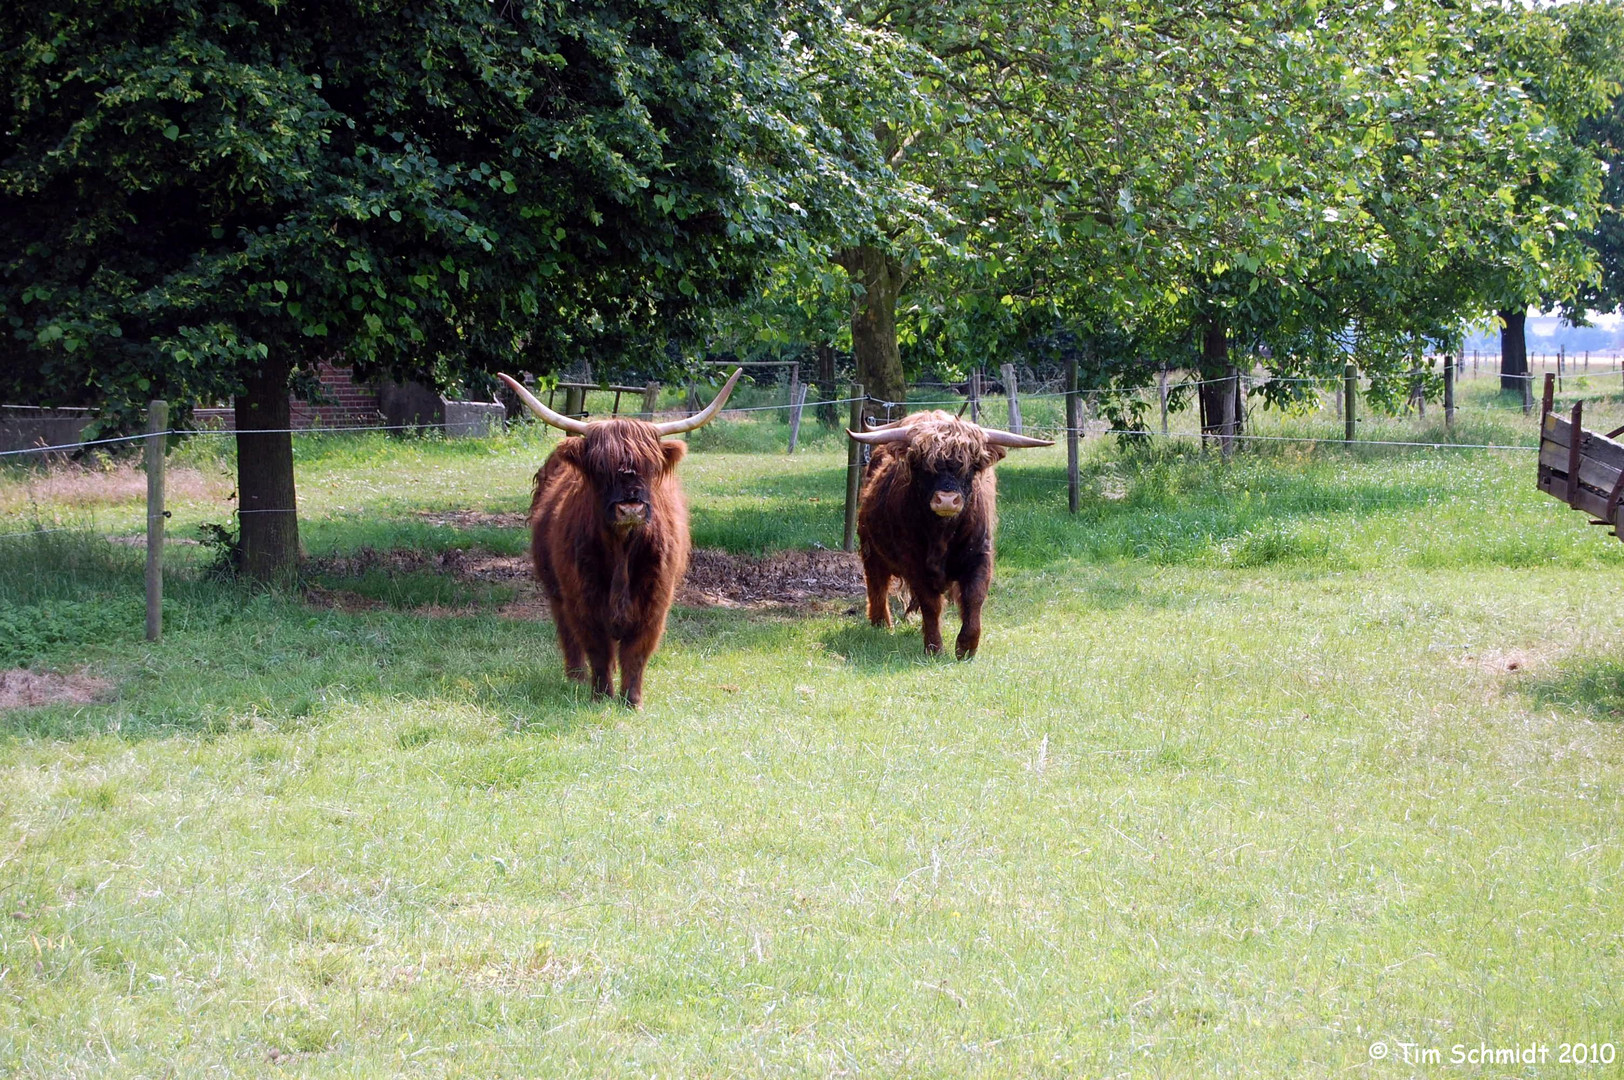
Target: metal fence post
{"points": [[157, 435]]}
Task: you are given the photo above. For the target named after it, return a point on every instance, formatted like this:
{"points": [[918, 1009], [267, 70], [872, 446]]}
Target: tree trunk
{"points": [[1220, 407], [827, 413], [874, 323], [1513, 350], [269, 521]]}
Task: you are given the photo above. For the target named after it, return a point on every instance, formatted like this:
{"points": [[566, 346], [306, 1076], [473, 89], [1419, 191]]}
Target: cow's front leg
{"points": [[634, 656], [930, 619], [569, 638], [569, 643], [878, 579], [600, 656], [972, 594]]}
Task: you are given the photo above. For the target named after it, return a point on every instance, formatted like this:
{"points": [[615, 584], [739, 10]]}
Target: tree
{"points": [[1567, 60], [202, 199], [1096, 163], [1604, 134]]}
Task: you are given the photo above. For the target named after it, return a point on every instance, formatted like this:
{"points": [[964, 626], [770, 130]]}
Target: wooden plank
{"points": [[1598, 474], [1582, 498], [1611, 516], [592, 386], [1575, 449], [1557, 432]]}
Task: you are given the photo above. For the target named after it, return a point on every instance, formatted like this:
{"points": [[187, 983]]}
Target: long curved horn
{"points": [[1009, 438], [531, 402], [870, 425], [706, 415], [883, 435]]}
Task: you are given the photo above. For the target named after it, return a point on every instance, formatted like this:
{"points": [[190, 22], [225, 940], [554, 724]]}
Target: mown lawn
{"points": [[1261, 763]]}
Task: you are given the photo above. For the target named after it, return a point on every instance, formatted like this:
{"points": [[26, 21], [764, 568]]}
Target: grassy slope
{"points": [[1260, 763]]}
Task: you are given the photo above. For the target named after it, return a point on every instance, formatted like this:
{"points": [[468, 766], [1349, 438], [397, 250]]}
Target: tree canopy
{"points": [[198, 198]]}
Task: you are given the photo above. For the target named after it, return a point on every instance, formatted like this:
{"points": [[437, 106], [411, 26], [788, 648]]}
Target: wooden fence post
{"points": [[1230, 426], [651, 398], [854, 468], [798, 394], [1350, 401], [1161, 390], [157, 438], [1073, 422], [1449, 392], [1013, 390], [975, 396], [574, 401], [794, 384]]}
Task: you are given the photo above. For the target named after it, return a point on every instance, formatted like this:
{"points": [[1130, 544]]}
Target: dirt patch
{"points": [[23, 689], [786, 579], [472, 519], [341, 600], [783, 579], [466, 565]]}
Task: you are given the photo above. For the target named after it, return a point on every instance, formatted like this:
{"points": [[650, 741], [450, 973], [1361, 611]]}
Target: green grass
{"points": [[1261, 762]]}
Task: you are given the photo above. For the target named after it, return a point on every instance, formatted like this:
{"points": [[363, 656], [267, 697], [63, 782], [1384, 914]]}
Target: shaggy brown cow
{"points": [[609, 538], [927, 515]]}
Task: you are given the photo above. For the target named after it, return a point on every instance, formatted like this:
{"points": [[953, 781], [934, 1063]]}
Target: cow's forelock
{"points": [[615, 446], [948, 446]]}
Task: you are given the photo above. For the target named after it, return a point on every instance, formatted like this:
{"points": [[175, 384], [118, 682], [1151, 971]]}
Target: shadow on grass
{"points": [[871, 648], [1590, 685]]}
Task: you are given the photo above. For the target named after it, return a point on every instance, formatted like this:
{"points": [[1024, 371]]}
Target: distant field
{"points": [[1263, 763]]}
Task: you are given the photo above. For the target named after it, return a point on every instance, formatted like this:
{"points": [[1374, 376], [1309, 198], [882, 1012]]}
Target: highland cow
{"points": [[927, 515], [609, 538]]}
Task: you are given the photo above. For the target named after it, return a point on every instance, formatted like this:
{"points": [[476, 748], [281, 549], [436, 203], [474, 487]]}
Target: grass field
{"points": [[1261, 764]]}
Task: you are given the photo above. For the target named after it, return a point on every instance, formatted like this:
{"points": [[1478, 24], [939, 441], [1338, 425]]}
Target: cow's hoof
{"points": [[932, 650]]}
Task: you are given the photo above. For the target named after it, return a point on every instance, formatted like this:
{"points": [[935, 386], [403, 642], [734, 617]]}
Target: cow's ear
{"points": [[995, 454], [675, 451], [571, 451]]}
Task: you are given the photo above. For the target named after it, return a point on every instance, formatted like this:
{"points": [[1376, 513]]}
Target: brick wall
{"points": [[353, 404], [350, 404]]}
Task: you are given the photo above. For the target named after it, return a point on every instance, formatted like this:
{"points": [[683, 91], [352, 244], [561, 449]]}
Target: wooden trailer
{"points": [[1585, 469]]}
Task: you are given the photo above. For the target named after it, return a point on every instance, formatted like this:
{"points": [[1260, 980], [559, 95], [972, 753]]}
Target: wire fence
{"points": [[1091, 399], [1147, 394]]}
